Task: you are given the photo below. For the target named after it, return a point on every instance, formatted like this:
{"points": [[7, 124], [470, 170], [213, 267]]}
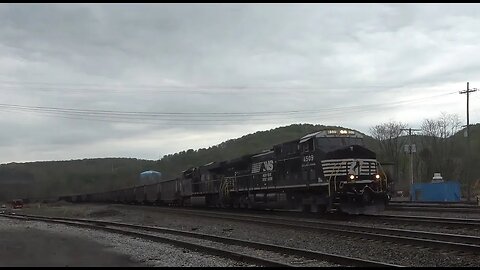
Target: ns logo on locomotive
{"points": [[325, 170]]}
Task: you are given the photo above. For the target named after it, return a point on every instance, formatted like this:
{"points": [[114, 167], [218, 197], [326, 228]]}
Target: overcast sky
{"points": [[142, 81]]}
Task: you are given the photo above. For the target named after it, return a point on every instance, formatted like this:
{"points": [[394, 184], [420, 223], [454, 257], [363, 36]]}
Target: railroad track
{"points": [[434, 208], [472, 223], [458, 242], [273, 255], [448, 204], [426, 220]]}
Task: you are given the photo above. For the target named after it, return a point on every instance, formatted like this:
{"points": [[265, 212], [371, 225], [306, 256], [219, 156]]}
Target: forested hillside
{"points": [[47, 178], [89, 175]]}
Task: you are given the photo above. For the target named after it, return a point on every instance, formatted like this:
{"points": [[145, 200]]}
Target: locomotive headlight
{"points": [[377, 176], [352, 176]]}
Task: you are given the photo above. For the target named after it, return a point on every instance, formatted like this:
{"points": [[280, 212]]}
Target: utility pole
{"points": [[467, 171], [411, 150]]}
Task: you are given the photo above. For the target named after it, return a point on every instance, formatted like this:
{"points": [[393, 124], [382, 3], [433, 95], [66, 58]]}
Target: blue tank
{"points": [[149, 177]]}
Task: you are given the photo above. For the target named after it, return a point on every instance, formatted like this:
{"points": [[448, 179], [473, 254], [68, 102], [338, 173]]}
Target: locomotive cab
{"points": [[356, 181], [361, 185]]}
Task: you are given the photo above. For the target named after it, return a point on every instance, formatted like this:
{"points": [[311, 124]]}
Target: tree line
{"points": [[440, 147]]}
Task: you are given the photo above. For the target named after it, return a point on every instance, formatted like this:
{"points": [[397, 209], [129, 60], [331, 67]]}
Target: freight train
{"points": [[326, 170]]}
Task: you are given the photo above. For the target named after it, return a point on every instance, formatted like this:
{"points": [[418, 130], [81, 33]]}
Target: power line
{"points": [[194, 115], [182, 89], [210, 114], [120, 91], [159, 86], [192, 118]]}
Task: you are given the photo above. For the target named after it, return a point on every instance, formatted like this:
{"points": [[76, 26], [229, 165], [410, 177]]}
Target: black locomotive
{"points": [[328, 169]]}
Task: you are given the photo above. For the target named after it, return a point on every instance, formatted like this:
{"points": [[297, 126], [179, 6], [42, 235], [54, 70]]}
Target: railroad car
{"points": [[152, 193], [328, 169], [129, 194], [139, 194]]}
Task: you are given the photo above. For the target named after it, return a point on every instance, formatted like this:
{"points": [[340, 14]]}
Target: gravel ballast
{"points": [[143, 251], [324, 242]]}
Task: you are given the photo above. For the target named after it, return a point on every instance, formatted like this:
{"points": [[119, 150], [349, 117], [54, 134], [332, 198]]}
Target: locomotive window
{"points": [[308, 146], [305, 147], [331, 144]]}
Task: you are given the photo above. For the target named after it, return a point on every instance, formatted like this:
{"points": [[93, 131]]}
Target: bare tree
{"points": [[388, 136], [449, 124], [437, 147]]}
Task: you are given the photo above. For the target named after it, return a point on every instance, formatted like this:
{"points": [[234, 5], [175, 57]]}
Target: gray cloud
{"points": [[222, 58]]}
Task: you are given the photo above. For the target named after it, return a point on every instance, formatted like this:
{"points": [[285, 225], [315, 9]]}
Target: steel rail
{"points": [[428, 220], [179, 243], [421, 238], [321, 256], [426, 208]]}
